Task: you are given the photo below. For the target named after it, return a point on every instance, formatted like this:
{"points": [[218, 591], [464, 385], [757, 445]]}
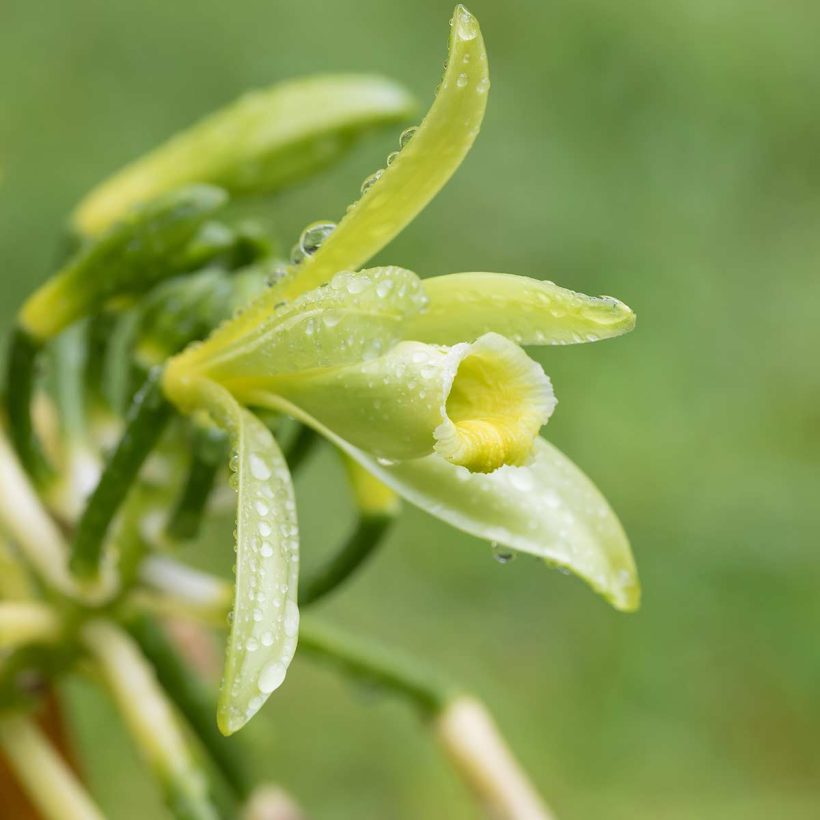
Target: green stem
{"points": [[145, 422], [21, 372], [99, 332], [376, 665], [208, 454], [194, 700], [360, 545]]}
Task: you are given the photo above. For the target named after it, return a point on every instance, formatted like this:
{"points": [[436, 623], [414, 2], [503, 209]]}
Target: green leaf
{"points": [[265, 140], [463, 306], [147, 246], [421, 169], [265, 619], [548, 508], [355, 316]]}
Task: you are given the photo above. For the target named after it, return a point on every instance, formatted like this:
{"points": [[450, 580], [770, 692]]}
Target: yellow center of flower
{"points": [[498, 401]]}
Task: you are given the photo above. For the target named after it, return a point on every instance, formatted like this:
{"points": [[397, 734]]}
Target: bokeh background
{"points": [[665, 153]]}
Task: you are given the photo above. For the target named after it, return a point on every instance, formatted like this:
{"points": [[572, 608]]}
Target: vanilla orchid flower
{"points": [[422, 382]]}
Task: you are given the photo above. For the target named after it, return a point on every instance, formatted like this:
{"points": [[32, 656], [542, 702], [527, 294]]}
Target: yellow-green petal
{"points": [[358, 315], [548, 508], [478, 405], [263, 141], [265, 620], [463, 306], [423, 166]]}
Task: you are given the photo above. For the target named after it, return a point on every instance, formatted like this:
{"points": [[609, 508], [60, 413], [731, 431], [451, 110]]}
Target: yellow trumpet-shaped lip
{"points": [[498, 401]]}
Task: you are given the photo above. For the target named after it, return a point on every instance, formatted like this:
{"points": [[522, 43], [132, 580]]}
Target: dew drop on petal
{"points": [[271, 677], [407, 135], [259, 470]]}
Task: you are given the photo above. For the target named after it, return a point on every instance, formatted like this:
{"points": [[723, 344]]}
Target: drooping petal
{"points": [[261, 142], [479, 405], [421, 169], [547, 508], [147, 246], [357, 315], [463, 306], [265, 620]]}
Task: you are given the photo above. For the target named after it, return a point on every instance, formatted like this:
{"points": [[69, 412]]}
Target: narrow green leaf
{"points": [[265, 140], [148, 245], [420, 170], [463, 306], [265, 619]]}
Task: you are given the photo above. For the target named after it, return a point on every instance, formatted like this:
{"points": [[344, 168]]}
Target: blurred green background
{"points": [[665, 153]]}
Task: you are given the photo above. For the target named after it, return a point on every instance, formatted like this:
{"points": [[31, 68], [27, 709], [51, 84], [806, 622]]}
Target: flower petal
{"points": [[261, 142], [355, 316], [463, 306], [421, 169], [265, 615], [479, 405], [548, 508]]}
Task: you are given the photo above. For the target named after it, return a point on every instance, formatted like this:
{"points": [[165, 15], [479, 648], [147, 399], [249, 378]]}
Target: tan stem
{"points": [[481, 756], [49, 783]]}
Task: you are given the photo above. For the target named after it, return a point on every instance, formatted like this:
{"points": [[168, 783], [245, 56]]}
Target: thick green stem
{"points": [[360, 545], [144, 424], [376, 665], [209, 452], [194, 700], [21, 372]]}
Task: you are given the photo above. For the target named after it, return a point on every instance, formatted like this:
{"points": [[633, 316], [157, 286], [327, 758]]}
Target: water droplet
{"points": [[314, 235], [259, 470], [467, 27], [462, 80], [502, 554], [296, 254], [407, 135], [372, 180], [271, 677], [392, 157]]}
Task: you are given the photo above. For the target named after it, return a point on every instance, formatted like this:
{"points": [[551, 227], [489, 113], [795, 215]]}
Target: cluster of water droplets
{"points": [[404, 139], [266, 619]]}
